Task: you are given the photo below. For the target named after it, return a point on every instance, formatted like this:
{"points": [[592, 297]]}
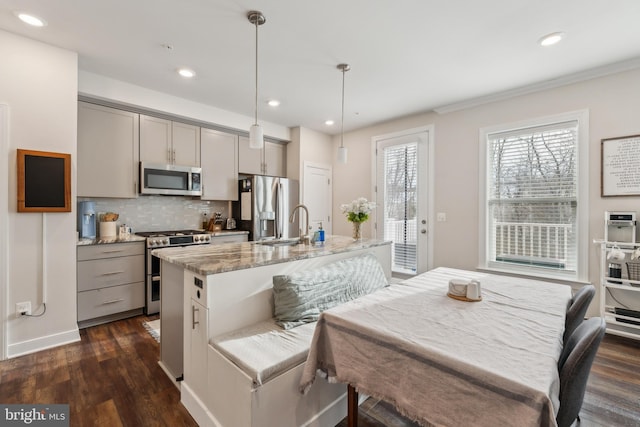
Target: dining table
{"points": [[448, 362]]}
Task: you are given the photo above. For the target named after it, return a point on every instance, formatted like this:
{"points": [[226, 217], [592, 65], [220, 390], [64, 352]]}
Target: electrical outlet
{"points": [[23, 308], [441, 217]]}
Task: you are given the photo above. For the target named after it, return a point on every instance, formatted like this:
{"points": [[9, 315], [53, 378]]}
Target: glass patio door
{"points": [[401, 192]]}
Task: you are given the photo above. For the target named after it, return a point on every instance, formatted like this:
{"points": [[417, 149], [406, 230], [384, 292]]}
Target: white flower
{"points": [[358, 210]]}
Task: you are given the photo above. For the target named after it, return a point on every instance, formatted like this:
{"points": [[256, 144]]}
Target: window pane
{"points": [[400, 195], [532, 197]]}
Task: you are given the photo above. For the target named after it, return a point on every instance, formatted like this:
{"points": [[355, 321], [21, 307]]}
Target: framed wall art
{"points": [[620, 174]]}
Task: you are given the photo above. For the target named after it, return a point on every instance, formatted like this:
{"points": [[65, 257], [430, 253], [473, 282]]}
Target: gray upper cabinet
{"points": [[275, 159], [108, 143], [219, 160], [271, 160], [167, 142]]}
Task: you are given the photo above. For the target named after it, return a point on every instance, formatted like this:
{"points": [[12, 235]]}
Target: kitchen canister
{"points": [[108, 229]]}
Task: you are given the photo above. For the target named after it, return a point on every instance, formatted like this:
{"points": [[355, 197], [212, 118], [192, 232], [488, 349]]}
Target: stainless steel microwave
{"points": [[170, 180]]}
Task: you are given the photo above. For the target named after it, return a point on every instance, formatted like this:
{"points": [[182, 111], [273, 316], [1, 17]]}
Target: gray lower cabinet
{"points": [[110, 282]]}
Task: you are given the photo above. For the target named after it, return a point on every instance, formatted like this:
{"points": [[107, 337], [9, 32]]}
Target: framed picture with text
{"points": [[620, 174]]}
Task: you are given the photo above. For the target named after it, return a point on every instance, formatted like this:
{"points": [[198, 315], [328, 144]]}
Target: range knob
{"points": [[207, 238], [152, 242], [165, 241], [196, 238]]}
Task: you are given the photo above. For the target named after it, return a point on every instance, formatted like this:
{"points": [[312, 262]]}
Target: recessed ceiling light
{"points": [[31, 19], [186, 72], [273, 102], [329, 123], [551, 39]]}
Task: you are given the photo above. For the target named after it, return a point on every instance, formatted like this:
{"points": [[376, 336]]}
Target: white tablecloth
{"points": [[447, 362]]}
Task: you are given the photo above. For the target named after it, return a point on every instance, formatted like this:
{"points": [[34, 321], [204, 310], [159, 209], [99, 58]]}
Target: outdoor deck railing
{"points": [[537, 242]]}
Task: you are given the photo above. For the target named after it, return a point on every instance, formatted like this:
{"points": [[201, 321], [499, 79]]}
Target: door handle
{"points": [[193, 317], [112, 273], [113, 301], [423, 231]]}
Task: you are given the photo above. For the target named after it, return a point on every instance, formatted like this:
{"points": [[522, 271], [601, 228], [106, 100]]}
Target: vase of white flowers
{"points": [[357, 212]]}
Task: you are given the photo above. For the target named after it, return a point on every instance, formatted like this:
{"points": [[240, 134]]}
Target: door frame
{"points": [[430, 177], [4, 229]]}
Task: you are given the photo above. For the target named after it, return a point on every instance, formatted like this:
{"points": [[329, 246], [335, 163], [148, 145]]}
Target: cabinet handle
{"points": [[193, 316], [109, 273], [113, 301], [169, 155], [173, 159], [113, 251]]}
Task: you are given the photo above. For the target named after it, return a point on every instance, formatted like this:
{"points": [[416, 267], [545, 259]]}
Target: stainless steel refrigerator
{"points": [[265, 206]]}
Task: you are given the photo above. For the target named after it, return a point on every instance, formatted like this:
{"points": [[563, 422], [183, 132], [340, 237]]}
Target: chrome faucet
{"points": [[304, 238]]}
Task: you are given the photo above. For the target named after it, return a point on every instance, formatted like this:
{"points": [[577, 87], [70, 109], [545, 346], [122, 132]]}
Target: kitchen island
{"points": [[209, 290]]}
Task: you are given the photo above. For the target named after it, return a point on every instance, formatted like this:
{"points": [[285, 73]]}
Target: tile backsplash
{"points": [[160, 213]]}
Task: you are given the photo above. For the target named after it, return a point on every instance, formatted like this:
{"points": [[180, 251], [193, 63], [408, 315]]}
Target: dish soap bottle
{"points": [[320, 233]]}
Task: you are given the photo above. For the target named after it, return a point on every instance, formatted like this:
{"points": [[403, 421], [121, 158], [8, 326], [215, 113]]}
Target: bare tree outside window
{"points": [[532, 196], [401, 199]]}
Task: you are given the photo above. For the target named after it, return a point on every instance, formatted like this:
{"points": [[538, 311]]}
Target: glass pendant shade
{"points": [[342, 155], [256, 137]]}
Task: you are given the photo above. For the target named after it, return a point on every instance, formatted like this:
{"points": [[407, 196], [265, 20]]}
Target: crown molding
{"points": [[605, 70]]}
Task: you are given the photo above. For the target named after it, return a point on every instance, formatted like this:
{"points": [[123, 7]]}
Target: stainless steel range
{"points": [[165, 239]]}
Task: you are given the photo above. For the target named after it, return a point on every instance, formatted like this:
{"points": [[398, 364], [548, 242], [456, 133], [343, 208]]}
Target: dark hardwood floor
{"points": [[111, 378]]}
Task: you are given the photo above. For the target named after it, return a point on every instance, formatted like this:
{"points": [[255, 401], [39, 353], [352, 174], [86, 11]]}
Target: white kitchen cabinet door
{"points": [[268, 161], [108, 144], [195, 372], [155, 140], [219, 161], [185, 144], [249, 160]]}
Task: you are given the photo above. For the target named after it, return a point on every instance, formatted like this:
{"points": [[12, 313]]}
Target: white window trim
{"points": [[582, 220]]}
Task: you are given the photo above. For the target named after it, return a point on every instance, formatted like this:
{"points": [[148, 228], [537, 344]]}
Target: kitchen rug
{"points": [[153, 328]]}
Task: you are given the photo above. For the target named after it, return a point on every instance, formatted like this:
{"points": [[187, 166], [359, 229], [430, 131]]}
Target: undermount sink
{"points": [[278, 242]]}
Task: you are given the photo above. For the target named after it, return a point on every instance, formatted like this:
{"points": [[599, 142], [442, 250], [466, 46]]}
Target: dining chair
{"points": [[577, 309], [574, 366]]}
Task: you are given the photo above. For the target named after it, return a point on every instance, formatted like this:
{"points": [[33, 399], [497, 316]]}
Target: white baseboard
{"points": [[43, 343], [196, 407]]}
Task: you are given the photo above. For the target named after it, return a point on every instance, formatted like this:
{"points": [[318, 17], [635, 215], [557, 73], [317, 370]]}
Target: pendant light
{"points": [[256, 135], [342, 150]]}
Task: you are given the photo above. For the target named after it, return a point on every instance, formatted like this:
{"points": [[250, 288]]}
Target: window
{"points": [[534, 197]]}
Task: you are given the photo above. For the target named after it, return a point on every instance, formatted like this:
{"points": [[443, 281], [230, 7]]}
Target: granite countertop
{"points": [[226, 232], [212, 259], [100, 241]]}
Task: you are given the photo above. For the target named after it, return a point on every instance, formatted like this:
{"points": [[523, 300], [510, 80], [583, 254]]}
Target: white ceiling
{"points": [[406, 56]]}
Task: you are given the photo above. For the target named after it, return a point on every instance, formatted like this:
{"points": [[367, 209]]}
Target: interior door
{"points": [[401, 197], [317, 196]]}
